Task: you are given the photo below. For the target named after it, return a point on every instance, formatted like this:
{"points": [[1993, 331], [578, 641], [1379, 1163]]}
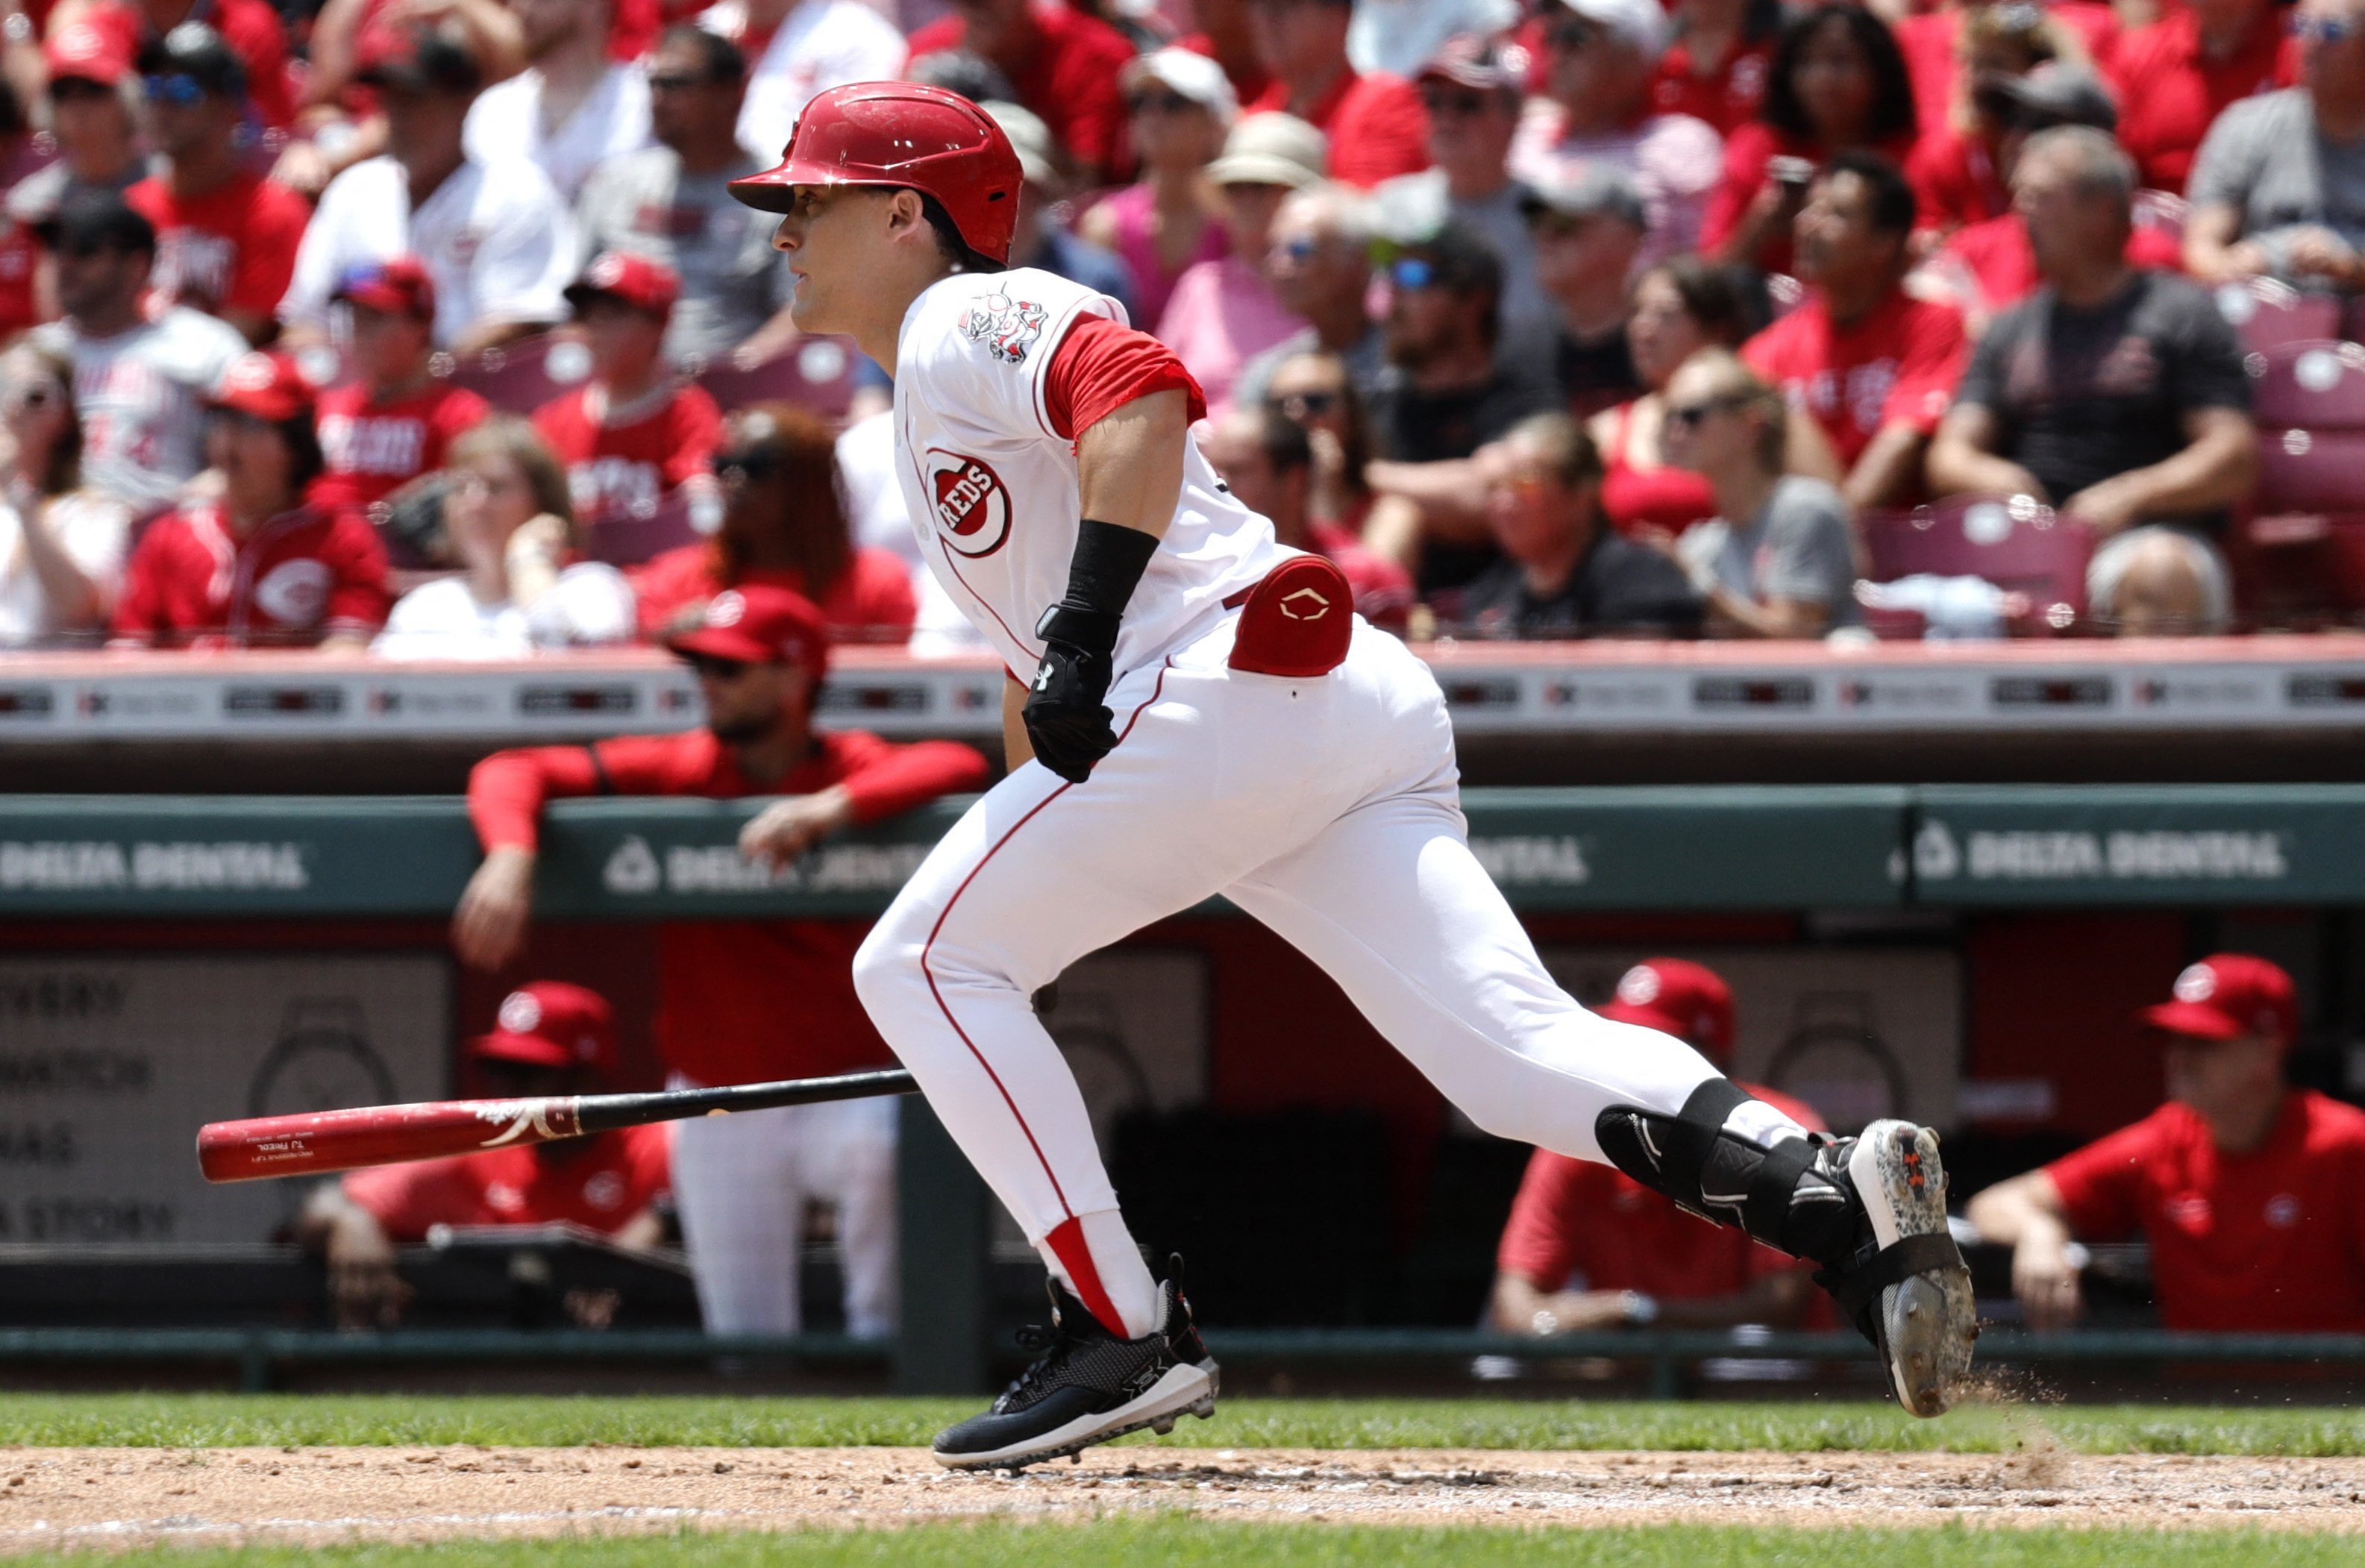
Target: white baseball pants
{"points": [[1327, 808], [740, 1183]]}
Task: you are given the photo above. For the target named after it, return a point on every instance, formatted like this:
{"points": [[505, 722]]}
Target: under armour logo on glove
{"points": [[1066, 721]]}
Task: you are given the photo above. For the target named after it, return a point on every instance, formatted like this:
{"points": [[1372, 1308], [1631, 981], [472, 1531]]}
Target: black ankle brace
{"points": [[1775, 1195]]}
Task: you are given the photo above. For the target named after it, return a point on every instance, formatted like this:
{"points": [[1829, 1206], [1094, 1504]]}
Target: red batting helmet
{"points": [[900, 133]]}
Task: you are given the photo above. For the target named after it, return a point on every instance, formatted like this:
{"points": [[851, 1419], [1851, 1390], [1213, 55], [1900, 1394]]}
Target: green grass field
{"points": [[223, 1420]]}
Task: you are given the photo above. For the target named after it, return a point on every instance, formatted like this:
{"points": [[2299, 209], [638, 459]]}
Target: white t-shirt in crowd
{"points": [[496, 238], [95, 535], [141, 396], [589, 605], [822, 44], [506, 121]]}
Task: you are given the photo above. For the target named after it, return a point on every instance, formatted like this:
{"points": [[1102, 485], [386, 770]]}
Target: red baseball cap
{"points": [[267, 386], [551, 1024], [2226, 996], [1677, 997], [88, 54], [758, 625], [637, 281], [397, 286]]}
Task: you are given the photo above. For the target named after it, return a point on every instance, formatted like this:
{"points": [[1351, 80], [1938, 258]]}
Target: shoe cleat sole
{"points": [[1185, 1390], [1927, 1321]]}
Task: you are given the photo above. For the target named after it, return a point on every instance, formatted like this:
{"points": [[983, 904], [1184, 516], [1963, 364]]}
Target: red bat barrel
{"points": [[377, 1135]]}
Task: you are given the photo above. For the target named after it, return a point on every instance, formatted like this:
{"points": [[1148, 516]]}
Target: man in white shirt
{"points": [[496, 238], [572, 108], [798, 48]]}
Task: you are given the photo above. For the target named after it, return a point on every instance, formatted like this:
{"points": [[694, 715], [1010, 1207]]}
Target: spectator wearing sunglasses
{"points": [[225, 238], [2260, 207], [253, 29], [62, 546], [1180, 105], [2175, 77], [1322, 270], [1599, 56], [795, 49], [1588, 228], [1376, 122], [1315, 392], [91, 91], [1064, 62]]}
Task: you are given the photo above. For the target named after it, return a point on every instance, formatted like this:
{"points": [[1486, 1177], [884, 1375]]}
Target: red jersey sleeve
{"points": [[1381, 131], [360, 599], [697, 430], [1935, 353], [1101, 366], [566, 427], [506, 791], [885, 780], [406, 1199], [1537, 1241], [140, 608], [266, 251], [882, 602], [2102, 1185]]}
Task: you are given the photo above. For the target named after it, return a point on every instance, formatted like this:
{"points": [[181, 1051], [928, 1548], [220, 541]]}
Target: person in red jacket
{"points": [[553, 1038], [747, 1000], [1064, 64], [634, 434], [394, 419], [2251, 1192], [1377, 124], [252, 28], [1588, 1247]]}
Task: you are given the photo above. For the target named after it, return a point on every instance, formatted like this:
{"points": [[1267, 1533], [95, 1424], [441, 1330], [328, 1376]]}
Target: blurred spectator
{"points": [[1471, 93], [1399, 37], [258, 566], [1375, 123], [1587, 1248], [1265, 457], [1065, 64], [1838, 85], [1599, 56], [1320, 262], [1680, 307], [1226, 37], [1445, 393], [140, 381], [1717, 56], [341, 115], [2251, 1193], [2260, 208], [1777, 559], [2177, 76], [1316, 393], [21, 251], [744, 1000], [62, 546], [572, 108], [1589, 224], [553, 1039], [494, 234], [1957, 165], [795, 49], [510, 526], [394, 419], [91, 91], [784, 526], [225, 239], [634, 433], [1047, 244], [669, 203], [1564, 571], [2116, 394], [1933, 42], [1223, 313], [252, 28], [1871, 364], [1179, 106]]}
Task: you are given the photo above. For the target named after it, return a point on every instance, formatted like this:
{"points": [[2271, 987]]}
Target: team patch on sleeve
{"points": [[1007, 327]]}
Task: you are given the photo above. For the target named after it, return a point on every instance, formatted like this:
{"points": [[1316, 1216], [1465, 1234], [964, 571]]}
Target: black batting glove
{"points": [[1068, 725]]}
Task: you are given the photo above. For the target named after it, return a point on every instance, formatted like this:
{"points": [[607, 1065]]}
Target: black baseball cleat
{"points": [[1087, 1387]]}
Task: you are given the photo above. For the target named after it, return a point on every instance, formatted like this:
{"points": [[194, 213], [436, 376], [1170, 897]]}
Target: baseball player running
{"points": [[1204, 714]]}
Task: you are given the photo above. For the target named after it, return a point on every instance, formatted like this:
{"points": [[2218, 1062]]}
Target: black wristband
{"points": [[1102, 575]]}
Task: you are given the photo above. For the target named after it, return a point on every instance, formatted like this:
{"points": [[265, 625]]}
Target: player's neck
{"points": [[881, 327]]}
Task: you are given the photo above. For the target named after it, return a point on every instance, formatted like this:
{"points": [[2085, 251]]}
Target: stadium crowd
{"points": [[430, 326]]}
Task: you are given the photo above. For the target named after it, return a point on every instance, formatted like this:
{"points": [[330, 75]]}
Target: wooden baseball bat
{"points": [[320, 1141]]}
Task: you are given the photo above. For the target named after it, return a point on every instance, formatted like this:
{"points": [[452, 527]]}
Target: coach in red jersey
{"points": [[744, 1001], [393, 420], [1589, 1247], [553, 1038], [2251, 1192]]}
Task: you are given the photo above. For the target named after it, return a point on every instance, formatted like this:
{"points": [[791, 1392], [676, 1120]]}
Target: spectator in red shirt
{"points": [[2176, 76], [1587, 1248], [745, 1001], [225, 240], [553, 1039], [1265, 457], [259, 566], [634, 434], [392, 421], [1679, 308], [1376, 124], [1717, 61], [1956, 167], [1065, 64], [1871, 364], [252, 28], [20, 250], [1931, 42], [784, 526], [2251, 1193]]}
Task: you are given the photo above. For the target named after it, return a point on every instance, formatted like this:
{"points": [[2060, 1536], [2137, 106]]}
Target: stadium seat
{"points": [[626, 542], [2267, 315], [2012, 542], [2316, 385], [2303, 470], [523, 375], [817, 374]]}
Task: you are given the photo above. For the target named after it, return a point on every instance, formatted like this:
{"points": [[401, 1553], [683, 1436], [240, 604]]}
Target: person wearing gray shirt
{"points": [[2279, 185], [671, 203]]}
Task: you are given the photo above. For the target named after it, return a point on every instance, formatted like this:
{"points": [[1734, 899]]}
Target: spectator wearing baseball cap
{"points": [[1064, 63], [1049, 247], [225, 238], [1224, 313], [2251, 1193], [744, 1000], [251, 28], [256, 567], [91, 91], [494, 233], [1589, 227], [1599, 56], [549, 1038], [633, 434], [1179, 105], [1587, 1248], [1376, 122]]}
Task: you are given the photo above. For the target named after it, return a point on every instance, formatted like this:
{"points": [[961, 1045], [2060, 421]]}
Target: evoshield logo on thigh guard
{"points": [[1297, 621]]}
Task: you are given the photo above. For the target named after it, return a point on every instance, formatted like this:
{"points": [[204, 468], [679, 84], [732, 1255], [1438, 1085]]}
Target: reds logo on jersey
{"points": [[972, 503], [1007, 327]]}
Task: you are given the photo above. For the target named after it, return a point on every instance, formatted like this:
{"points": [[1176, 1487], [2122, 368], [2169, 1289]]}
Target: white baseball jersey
{"points": [[993, 487]]}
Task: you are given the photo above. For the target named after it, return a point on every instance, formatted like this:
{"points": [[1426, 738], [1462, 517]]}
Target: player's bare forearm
{"points": [[1017, 751], [1129, 464]]}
